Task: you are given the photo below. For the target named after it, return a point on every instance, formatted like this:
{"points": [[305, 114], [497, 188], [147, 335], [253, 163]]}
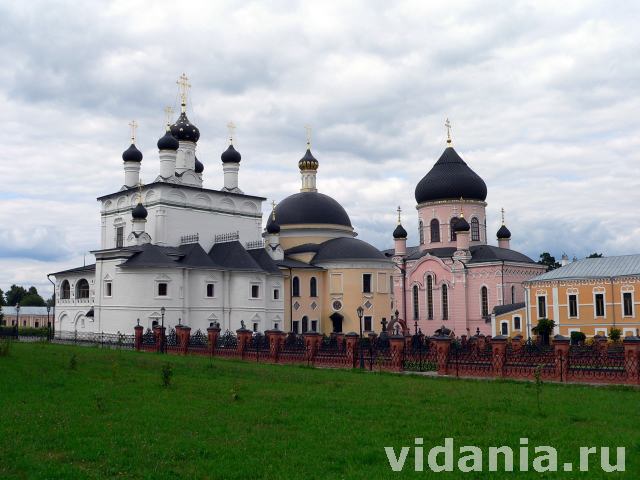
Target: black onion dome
{"points": [[461, 225], [503, 233], [450, 178], [399, 232], [132, 154], [347, 248], [168, 142], [139, 212], [184, 130], [311, 208], [199, 168], [272, 226], [308, 162], [231, 155]]}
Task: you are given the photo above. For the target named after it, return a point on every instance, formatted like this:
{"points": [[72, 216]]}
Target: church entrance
{"points": [[336, 319]]}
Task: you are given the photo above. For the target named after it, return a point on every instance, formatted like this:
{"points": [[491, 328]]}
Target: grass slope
{"points": [[110, 417]]}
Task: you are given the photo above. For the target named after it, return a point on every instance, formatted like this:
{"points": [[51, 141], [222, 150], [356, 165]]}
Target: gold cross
{"points": [[273, 210], [447, 124], [399, 212], [308, 130], [133, 124], [168, 114], [140, 185], [502, 210], [231, 128], [184, 86]]}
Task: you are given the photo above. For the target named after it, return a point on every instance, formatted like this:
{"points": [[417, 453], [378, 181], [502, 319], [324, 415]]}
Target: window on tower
{"points": [[452, 225], [421, 232], [475, 229], [416, 303], [429, 297], [119, 237], [484, 298], [435, 230]]}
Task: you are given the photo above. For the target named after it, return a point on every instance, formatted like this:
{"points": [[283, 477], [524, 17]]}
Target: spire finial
{"points": [[273, 210], [502, 211], [168, 115], [308, 130], [140, 185], [399, 218], [231, 128], [447, 124], [184, 86], [461, 212], [134, 125]]}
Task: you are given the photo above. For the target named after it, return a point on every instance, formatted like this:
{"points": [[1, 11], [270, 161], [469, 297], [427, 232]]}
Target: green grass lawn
{"points": [[111, 417]]}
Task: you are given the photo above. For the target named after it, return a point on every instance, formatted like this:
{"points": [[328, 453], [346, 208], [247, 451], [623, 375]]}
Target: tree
{"points": [[549, 261], [52, 301], [1, 314], [595, 255], [15, 294], [26, 298], [30, 300], [544, 329], [2, 302]]}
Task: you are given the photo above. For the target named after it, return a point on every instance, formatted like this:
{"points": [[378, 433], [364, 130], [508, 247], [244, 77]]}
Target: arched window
{"points": [[421, 232], [82, 289], [475, 229], [295, 287], [430, 297], [416, 303], [313, 287], [445, 302], [452, 224], [513, 294], [65, 290], [305, 324], [435, 230], [484, 298]]}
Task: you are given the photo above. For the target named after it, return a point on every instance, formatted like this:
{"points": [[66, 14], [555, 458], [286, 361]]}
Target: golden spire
{"points": [[399, 212], [184, 86], [231, 128], [168, 115], [134, 125], [140, 185], [461, 212], [502, 211], [273, 210], [447, 124], [308, 130]]}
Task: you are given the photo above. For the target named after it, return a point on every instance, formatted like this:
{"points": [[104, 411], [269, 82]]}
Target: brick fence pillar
{"points": [[443, 344], [160, 336], [183, 338], [561, 346], [351, 340], [516, 343], [213, 333], [340, 341], [244, 337], [276, 340], [312, 342], [632, 359], [396, 346], [139, 331], [498, 354]]}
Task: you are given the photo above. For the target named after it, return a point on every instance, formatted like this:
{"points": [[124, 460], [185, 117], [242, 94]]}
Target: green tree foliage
{"points": [[26, 298], [31, 300], [544, 329], [2, 302], [548, 260], [595, 255]]}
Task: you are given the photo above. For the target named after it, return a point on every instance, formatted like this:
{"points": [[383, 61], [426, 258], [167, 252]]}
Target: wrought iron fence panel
{"points": [[198, 341], [293, 349], [598, 364], [420, 355], [227, 345], [524, 362]]}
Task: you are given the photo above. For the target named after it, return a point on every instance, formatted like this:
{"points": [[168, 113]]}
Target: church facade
{"points": [[453, 278]]}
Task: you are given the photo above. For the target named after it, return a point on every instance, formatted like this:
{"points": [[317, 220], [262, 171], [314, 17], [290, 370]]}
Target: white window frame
{"points": [[600, 331], [633, 302], [628, 330], [273, 293], [546, 306], [371, 285], [314, 325], [597, 291], [513, 322], [206, 288], [504, 322], [255, 284], [370, 317], [157, 289], [110, 283], [570, 292]]}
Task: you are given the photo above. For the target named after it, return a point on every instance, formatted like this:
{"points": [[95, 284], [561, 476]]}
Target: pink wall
{"points": [[443, 211]]}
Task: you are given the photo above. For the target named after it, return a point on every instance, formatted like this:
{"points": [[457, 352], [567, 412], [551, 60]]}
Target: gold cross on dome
{"points": [[184, 86], [134, 125], [140, 185], [273, 210], [502, 211], [308, 130], [447, 124], [231, 128], [399, 212], [168, 114]]}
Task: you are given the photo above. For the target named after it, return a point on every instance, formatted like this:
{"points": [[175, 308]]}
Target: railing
{"points": [[254, 244], [187, 239], [226, 237]]}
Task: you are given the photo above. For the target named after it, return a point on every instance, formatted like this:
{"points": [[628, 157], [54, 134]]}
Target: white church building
{"points": [[172, 251]]}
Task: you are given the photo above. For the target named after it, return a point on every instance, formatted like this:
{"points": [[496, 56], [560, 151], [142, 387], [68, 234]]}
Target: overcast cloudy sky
{"points": [[543, 97]]}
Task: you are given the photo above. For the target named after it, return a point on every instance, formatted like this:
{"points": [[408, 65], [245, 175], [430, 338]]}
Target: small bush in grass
{"points": [[167, 374], [73, 362], [100, 405], [5, 348], [615, 334]]}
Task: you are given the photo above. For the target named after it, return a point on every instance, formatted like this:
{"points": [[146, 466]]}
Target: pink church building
{"points": [[453, 278]]}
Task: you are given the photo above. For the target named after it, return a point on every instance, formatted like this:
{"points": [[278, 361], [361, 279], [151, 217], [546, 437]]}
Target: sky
{"points": [[543, 100]]}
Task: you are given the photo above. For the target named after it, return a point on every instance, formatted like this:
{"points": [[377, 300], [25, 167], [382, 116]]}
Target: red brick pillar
{"points": [[516, 343], [351, 340], [183, 338], [632, 359], [498, 354], [481, 343], [139, 330], [160, 336], [340, 341], [276, 340], [312, 342], [213, 333], [443, 344], [244, 337], [561, 348], [396, 345]]}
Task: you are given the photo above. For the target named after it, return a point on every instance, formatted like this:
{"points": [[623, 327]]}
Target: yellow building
{"points": [[592, 296], [328, 273]]}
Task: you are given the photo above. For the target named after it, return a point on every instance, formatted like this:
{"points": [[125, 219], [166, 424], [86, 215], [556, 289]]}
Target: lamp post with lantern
{"points": [[360, 313]]}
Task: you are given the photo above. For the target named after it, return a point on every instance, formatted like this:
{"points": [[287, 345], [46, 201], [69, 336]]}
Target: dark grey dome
{"points": [[184, 130], [132, 154], [139, 212], [199, 168], [273, 227], [450, 178], [399, 232], [311, 207], [461, 225], [347, 248], [168, 142], [308, 162], [231, 155], [503, 233]]}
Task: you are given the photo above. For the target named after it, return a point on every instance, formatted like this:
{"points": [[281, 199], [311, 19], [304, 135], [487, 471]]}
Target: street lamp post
{"points": [[360, 313], [162, 310], [48, 322], [17, 318]]}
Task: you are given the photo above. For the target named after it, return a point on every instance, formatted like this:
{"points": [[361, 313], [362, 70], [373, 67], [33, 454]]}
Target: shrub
{"points": [[544, 329], [73, 362], [5, 348], [577, 338], [615, 334], [167, 373]]}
